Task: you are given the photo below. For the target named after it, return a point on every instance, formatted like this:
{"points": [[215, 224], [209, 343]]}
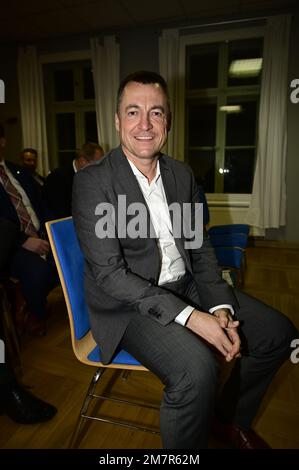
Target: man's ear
{"points": [[2, 142], [116, 122]]}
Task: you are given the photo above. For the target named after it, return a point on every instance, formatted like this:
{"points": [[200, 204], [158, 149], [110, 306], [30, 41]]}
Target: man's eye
{"points": [[157, 113], [132, 113]]}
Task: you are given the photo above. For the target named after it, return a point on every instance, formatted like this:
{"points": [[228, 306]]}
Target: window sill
{"points": [[228, 200]]}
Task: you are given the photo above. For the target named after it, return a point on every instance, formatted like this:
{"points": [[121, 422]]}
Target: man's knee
{"points": [[197, 379], [280, 335], [285, 332]]}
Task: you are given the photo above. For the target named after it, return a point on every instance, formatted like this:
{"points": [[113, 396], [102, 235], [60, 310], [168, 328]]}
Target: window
{"points": [[222, 89], [71, 116]]}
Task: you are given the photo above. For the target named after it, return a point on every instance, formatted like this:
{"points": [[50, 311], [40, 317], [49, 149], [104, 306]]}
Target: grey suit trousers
{"points": [[189, 368]]}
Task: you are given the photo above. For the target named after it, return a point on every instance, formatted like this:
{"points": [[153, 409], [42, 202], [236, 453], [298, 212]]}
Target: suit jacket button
{"points": [[152, 311], [152, 280]]}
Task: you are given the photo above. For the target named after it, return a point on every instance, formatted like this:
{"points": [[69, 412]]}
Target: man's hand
{"points": [[218, 329], [230, 325], [37, 245], [225, 318]]}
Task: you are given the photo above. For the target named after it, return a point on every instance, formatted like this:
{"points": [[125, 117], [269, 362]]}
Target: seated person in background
{"points": [[15, 401], [20, 202], [29, 161], [57, 190]]}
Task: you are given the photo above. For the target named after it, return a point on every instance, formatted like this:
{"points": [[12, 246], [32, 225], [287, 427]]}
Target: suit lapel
{"points": [[125, 177], [128, 186], [169, 182], [173, 196]]}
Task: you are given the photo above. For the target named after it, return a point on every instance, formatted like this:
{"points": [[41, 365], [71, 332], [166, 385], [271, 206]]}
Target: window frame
{"points": [[219, 200], [63, 60]]}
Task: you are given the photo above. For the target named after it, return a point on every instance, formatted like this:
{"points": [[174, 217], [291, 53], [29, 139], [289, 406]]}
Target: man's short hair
{"points": [[88, 151], [146, 78], [29, 150], [2, 131]]}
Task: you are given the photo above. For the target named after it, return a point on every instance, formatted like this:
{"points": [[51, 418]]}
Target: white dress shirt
{"points": [[172, 264], [23, 195]]}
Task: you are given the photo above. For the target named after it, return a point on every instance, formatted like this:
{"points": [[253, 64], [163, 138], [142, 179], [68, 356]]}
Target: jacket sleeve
{"points": [[105, 259]]}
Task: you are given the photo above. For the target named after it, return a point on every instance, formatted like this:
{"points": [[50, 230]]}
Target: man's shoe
{"points": [[237, 438], [23, 407]]}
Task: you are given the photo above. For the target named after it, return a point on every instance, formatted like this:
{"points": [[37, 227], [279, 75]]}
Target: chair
{"points": [[230, 250], [229, 241], [230, 228], [219, 229], [69, 261]]}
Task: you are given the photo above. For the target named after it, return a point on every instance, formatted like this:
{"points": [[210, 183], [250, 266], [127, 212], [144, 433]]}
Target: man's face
{"points": [[142, 120], [30, 161]]}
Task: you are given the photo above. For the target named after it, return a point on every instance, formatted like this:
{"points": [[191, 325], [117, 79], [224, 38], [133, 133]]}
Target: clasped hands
{"points": [[37, 245], [218, 329]]}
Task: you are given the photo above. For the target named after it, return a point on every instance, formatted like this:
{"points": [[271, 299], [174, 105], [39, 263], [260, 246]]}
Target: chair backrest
{"points": [[70, 264], [231, 239], [230, 228]]}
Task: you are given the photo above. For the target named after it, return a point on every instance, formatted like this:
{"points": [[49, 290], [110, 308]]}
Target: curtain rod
{"points": [[244, 20]]}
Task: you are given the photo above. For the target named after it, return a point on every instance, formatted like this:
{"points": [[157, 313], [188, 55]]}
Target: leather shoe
{"points": [[236, 437], [23, 407]]}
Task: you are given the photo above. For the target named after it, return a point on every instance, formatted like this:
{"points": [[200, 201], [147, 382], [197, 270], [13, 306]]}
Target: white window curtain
{"points": [[105, 66], [169, 69], [33, 105], [268, 202]]}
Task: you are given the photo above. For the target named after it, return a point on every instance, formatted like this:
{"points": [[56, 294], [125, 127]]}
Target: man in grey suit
{"points": [[162, 298]]}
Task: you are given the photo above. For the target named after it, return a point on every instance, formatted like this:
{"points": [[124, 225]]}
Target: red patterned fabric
{"points": [[15, 197]]}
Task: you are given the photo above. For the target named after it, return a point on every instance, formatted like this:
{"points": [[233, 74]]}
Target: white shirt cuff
{"points": [[213, 309], [184, 315]]}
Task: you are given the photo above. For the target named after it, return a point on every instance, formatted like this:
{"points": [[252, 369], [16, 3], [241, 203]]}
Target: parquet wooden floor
{"points": [[54, 374]]}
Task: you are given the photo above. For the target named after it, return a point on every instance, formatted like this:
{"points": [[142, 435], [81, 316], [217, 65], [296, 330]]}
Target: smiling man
{"points": [[165, 304], [142, 122]]}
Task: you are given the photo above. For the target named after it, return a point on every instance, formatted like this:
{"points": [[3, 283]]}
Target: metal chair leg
{"points": [[125, 374], [88, 397]]}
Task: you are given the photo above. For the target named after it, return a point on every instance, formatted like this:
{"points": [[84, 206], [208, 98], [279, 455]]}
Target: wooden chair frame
{"points": [[82, 348]]}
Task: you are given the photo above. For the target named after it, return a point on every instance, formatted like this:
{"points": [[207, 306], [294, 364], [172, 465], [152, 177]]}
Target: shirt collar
{"points": [[74, 166], [138, 173]]}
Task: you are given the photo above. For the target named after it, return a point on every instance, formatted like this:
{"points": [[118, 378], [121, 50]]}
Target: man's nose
{"points": [[145, 122]]}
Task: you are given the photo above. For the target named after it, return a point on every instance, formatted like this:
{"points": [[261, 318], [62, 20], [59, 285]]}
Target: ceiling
{"points": [[36, 20]]}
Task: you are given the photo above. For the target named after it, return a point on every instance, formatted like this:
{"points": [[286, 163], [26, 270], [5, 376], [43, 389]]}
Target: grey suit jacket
{"points": [[121, 274]]}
